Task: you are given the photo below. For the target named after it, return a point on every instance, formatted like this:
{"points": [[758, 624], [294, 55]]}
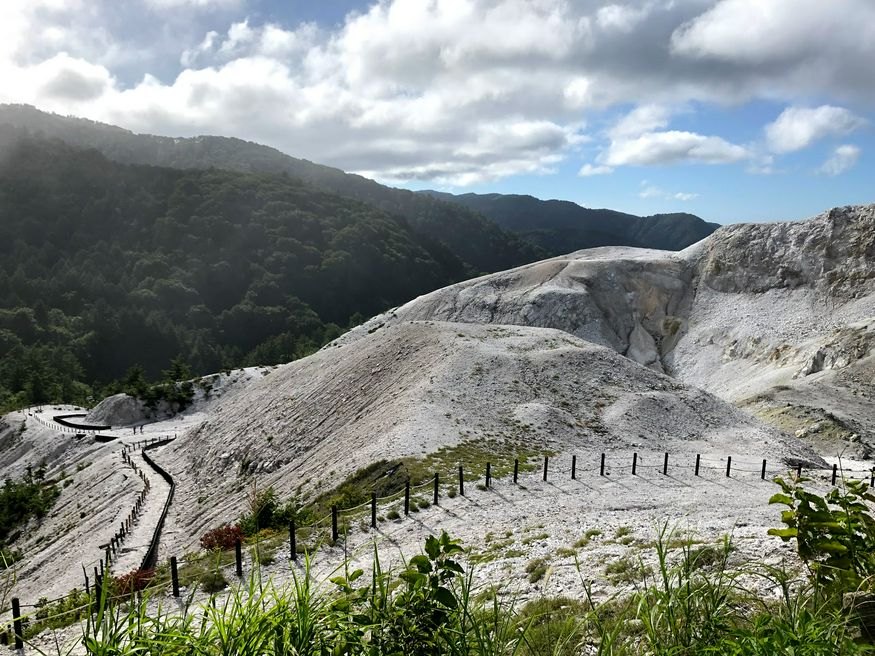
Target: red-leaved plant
{"points": [[222, 538], [134, 581]]}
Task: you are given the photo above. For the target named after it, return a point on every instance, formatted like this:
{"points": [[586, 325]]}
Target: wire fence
{"points": [[327, 528]]}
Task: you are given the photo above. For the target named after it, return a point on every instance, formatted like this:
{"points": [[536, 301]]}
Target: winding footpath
{"points": [[136, 543]]}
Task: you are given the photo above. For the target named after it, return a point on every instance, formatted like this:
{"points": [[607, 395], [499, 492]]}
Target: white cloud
{"points": [[652, 191], [790, 45], [798, 127], [672, 147], [644, 118], [621, 18], [64, 78], [190, 56], [240, 35], [460, 90], [193, 4], [842, 159], [588, 170]]}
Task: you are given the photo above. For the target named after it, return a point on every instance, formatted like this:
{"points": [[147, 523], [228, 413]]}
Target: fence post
{"points": [[799, 471], [516, 469], [16, 624], [728, 465], [407, 497], [872, 478], [698, 461], [373, 510], [634, 463], [488, 474], [238, 557], [461, 482], [602, 470], [437, 484], [545, 467], [293, 540], [834, 471], [174, 576], [763, 474], [334, 532], [573, 467], [665, 465]]}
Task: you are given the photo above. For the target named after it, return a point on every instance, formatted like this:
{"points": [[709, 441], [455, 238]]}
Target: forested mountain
{"points": [[561, 227], [477, 241], [106, 265]]}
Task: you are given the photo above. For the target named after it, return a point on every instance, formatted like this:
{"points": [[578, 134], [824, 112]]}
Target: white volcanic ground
{"points": [[776, 318]]}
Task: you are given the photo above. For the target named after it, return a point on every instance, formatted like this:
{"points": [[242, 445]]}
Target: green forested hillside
{"points": [[104, 266], [479, 242], [560, 227]]}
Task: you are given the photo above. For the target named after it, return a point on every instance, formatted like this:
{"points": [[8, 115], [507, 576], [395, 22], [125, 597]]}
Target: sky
{"points": [[735, 110]]}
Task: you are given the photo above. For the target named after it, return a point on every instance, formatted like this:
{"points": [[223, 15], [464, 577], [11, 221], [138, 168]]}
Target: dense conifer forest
{"points": [[105, 267]]}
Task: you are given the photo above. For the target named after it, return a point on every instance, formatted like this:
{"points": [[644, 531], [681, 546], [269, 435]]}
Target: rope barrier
{"points": [[708, 463]]}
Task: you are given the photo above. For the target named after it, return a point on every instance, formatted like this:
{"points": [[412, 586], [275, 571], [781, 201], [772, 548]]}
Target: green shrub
{"points": [[23, 499], [213, 581], [834, 534], [536, 569]]}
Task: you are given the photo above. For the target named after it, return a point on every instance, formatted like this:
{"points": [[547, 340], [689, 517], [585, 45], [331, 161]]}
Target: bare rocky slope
{"points": [[763, 315], [770, 322]]}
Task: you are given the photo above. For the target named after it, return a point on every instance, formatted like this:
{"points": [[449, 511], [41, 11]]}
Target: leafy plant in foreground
{"points": [[834, 533]]}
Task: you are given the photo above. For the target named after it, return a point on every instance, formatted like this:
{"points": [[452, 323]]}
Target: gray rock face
{"points": [[751, 307], [833, 253], [124, 410], [117, 410]]}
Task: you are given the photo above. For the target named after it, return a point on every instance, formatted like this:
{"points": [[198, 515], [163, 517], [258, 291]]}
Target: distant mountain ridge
{"points": [[477, 241], [488, 232], [560, 226]]}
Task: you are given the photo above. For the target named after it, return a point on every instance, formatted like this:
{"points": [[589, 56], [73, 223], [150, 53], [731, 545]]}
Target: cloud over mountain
{"points": [[453, 92]]}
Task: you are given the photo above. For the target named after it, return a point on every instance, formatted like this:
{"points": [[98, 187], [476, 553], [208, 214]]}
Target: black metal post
{"points": [[545, 467], [373, 510], [728, 465], [293, 540], [407, 497], [334, 532], [665, 465], [16, 624], [174, 576], [634, 463], [602, 470], [238, 557], [488, 474], [437, 484], [698, 462], [834, 472], [763, 474], [461, 482], [573, 467], [516, 469]]}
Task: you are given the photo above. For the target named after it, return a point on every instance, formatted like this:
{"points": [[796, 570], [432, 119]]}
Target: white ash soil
{"points": [[97, 492], [508, 526], [411, 388], [759, 315], [749, 311]]}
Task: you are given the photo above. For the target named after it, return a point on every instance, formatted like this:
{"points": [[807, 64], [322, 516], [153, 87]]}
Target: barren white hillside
{"points": [[749, 311], [772, 321], [411, 388]]}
